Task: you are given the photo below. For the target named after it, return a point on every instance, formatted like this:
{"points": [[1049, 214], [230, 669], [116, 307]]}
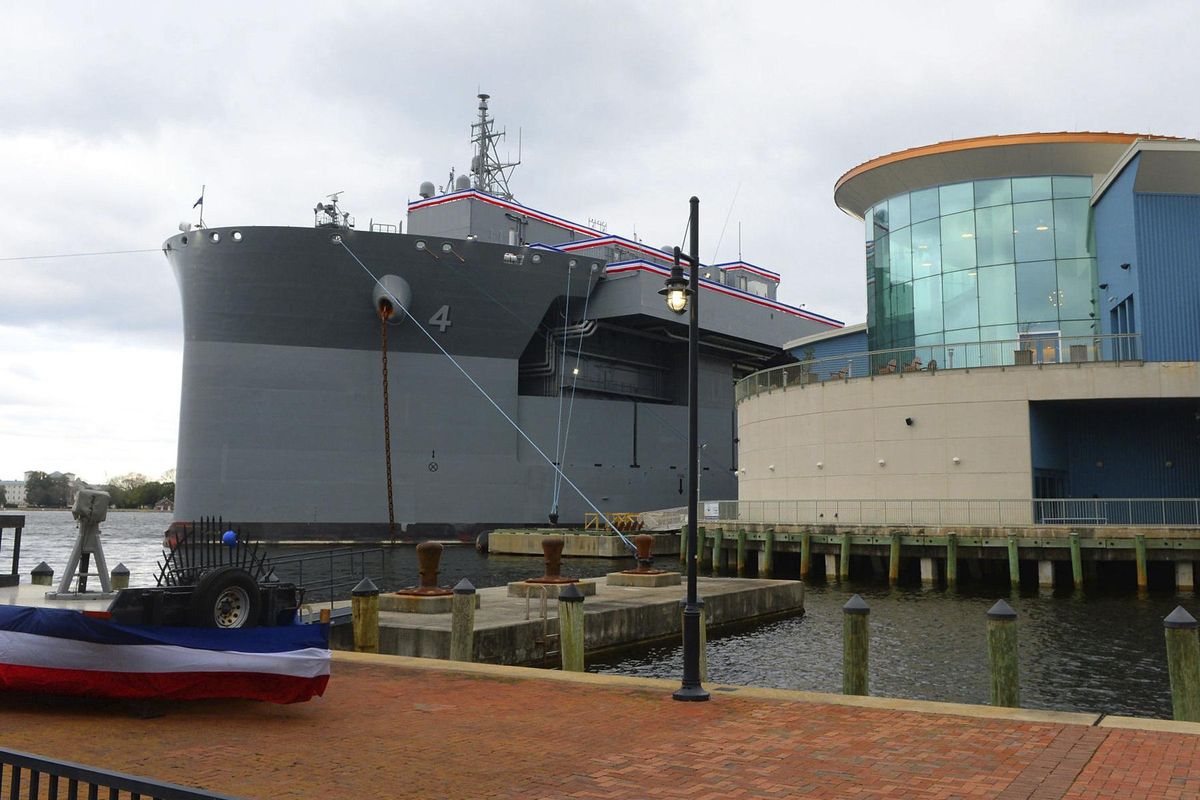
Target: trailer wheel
{"points": [[226, 598]]}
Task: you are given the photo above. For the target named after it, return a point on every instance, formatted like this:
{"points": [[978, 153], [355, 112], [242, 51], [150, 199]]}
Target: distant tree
{"points": [[46, 491], [3, 497], [168, 476]]}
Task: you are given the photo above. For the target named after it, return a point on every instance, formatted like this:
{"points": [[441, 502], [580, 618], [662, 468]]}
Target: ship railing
{"points": [[1031, 349], [34, 777], [1170, 512], [384, 227]]}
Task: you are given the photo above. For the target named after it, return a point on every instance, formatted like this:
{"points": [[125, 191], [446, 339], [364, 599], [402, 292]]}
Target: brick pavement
{"points": [[398, 728]]}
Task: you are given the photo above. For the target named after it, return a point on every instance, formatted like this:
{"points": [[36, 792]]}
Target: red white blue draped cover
{"points": [[60, 651]]}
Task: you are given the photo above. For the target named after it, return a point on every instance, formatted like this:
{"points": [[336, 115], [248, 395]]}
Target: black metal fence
{"points": [[35, 778], [330, 574]]}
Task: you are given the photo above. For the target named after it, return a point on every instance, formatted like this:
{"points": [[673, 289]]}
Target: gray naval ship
{"points": [[559, 326]]}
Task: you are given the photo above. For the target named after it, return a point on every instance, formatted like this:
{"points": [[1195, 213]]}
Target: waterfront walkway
{"points": [[393, 727]]}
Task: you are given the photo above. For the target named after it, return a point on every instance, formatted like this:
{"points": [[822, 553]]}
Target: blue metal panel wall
{"points": [[1122, 450], [1116, 244], [846, 344], [1168, 263]]}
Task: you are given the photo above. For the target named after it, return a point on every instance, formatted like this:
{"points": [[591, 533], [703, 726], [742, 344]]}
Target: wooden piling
{"points": [[1076, 562], [805, 555], [844, 565], [462, 622], [951, 559], [1014, 565], [1002, 655], [1139, 544], [118, 578], [894, 559], [741, 554], [683, 547], [1183, 664], [323, 616], [364, 610], [570, 628], [718, 550], [702, 551], [766, 564], [855, 646], [42, 575]]}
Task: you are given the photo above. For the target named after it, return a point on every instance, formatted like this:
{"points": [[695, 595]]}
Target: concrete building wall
{"points": [[825, 440]]}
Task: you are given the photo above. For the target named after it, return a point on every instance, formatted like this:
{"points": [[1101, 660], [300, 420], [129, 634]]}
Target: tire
{"points": [[227, 597]]}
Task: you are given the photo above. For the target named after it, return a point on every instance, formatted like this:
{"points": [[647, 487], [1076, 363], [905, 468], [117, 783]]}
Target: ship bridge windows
{"points": [[758, 287]]}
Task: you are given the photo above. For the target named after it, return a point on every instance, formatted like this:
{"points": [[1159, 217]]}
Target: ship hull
{"points": [[281, 423]]}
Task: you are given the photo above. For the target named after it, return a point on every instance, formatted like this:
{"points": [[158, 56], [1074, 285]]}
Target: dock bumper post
{"points": [[741, 554], [1183, 663], [570, 628], [855, 646], [119, 577], [894, 559], [42, 575], [1002, 655], [1014, 564], [844, 564], [766, 556], [364, 615], [951, 559], [718, 551], [805, 555], [1139, 544], [462, 622], [1076, 562]]}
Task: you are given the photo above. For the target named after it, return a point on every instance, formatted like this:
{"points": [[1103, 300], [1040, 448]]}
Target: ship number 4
{"points": [[441, 319]]}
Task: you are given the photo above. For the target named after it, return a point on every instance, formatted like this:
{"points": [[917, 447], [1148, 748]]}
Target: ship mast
{"points": [[489, 173]]}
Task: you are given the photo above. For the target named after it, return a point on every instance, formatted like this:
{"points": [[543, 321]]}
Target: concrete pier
{"points": [[929, 573], [617, 616], [1184, 576], [1045, 573]]}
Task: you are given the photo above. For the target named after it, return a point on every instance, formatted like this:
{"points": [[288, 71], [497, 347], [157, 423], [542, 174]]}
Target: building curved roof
{"points": [[1009, 155]]}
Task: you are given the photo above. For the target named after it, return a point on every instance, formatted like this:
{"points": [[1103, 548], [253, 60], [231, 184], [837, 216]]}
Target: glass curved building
{"points": [[983, 246]]}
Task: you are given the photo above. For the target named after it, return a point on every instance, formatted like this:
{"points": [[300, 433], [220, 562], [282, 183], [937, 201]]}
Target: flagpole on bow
{"points": [[200, 203]]}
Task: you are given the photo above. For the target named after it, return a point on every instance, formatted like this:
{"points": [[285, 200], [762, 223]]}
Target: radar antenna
{"points": [[489, 174]]}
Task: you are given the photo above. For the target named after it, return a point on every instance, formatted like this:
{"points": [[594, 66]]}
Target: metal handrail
{"points": [[1033, 349], [353, 562], [1176, 512], [27, 771]]}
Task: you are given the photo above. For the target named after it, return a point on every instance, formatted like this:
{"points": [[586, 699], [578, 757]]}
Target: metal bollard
{"points": [[570, 628], [855, 646], [364, 609], [462, 622], [119, 577], [1183, 664], [42, 575], [1002, 655]]}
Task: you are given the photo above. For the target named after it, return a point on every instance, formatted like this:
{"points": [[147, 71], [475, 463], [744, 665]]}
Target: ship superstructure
{"points": [[558, 323]]}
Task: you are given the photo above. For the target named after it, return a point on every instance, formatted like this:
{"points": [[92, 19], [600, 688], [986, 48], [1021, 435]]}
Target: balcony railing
{"points": [[1126, 512], [1029, 350]]}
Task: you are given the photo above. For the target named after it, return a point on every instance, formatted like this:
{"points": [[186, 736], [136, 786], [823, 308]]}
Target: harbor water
{"points": [[1101, 652]]}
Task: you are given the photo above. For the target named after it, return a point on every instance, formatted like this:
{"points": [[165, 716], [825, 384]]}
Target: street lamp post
{"points": [[684, 296]]}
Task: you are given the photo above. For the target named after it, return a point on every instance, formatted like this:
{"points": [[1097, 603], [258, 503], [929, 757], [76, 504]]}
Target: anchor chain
{"points": [[385, 313]]}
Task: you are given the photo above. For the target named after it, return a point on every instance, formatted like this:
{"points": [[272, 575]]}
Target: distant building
{"points": [[14, 492], [1032, 333], [165, 504]]}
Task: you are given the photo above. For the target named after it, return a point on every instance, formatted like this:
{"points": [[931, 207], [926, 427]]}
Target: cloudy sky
{"points": [[113, 115]]}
